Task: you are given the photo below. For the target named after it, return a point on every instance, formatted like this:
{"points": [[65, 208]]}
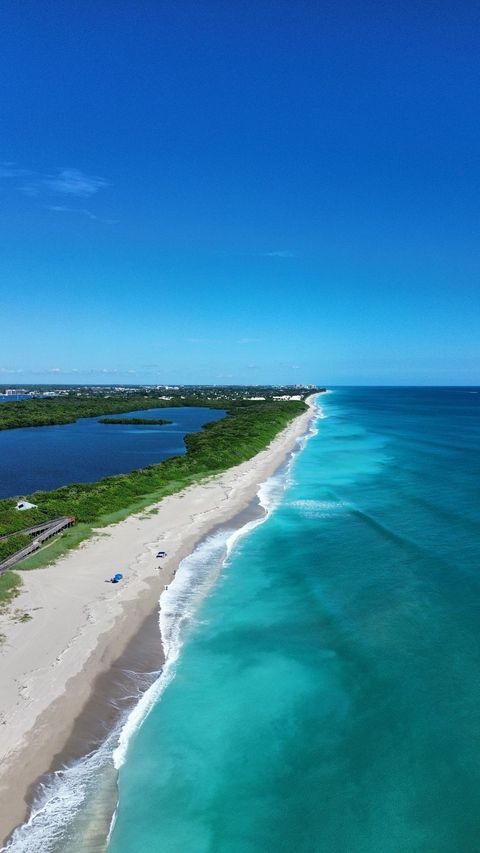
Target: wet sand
{"points": [[63, 689]]}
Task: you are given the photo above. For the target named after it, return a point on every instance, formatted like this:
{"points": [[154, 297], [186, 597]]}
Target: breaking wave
{"points": [[321, 509], [61, 797]]}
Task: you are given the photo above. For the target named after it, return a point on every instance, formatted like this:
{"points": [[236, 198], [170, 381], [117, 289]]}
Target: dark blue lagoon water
{"points": [[322, 686], [46, 457]]}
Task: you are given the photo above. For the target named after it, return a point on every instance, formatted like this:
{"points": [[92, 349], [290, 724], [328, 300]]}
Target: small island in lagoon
{"points": [[139, 508], [135, 421]]}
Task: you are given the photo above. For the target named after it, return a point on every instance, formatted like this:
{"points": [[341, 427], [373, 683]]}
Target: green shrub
{"points": [[248, 428]]}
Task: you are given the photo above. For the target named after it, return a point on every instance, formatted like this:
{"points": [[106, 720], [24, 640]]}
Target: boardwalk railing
{"points": [[44, 531]]}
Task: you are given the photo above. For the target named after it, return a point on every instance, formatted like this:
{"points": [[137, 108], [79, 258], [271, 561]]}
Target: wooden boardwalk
{"points": [[40, 532]]}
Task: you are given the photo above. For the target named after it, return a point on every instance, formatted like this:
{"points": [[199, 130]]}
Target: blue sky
{"points": [[240, 192]]}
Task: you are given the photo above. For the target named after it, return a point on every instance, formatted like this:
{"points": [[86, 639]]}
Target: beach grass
{"points": [[72, 537], [10, 584], [247, 430], [56, 547]]}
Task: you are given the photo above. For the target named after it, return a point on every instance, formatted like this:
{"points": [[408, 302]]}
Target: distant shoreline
{"points": [[49, 675]]}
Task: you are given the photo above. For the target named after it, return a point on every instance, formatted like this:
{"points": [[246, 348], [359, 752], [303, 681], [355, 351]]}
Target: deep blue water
{"points": [[47, 457]]}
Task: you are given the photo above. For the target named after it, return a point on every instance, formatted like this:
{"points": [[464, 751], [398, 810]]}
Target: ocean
{"points": [[322, 686]]}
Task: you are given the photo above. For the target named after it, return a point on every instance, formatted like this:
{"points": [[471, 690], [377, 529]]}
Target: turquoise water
{"points": [[322, 687], [328, 696]]}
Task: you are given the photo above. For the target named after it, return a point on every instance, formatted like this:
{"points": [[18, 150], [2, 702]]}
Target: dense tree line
{"points": [[66, 410], [248, 428]]}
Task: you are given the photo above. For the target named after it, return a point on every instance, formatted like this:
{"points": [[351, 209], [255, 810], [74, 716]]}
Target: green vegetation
{"points": [[66, 410], [134, 421], [94, 401], [22, 616], [10, 584], [54, 548], [13, 544], [249, 427]]}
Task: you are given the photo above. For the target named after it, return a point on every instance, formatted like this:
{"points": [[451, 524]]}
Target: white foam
{"points": [[57, 803], [195, 576], [179, 603], [61, 797], [320, 509]]}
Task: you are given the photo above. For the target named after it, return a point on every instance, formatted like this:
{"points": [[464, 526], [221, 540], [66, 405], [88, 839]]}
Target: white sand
{"points": [[80, 624]]}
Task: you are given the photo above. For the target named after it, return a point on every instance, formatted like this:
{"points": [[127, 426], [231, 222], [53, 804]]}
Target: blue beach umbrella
{"points": [[118, 576]]}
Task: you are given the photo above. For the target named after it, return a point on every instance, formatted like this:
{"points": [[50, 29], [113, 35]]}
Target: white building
{"points": [[22, 505]]}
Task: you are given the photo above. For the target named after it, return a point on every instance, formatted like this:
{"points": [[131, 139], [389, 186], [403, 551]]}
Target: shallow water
{"points": [[34, 458], [329, 697], [322, 690]]}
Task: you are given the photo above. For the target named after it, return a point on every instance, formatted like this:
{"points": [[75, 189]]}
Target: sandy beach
{"points": [[81, 624]]}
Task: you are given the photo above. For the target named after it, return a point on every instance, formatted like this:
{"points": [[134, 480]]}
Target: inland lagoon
{"points": [[47, 457], [321, 688]]}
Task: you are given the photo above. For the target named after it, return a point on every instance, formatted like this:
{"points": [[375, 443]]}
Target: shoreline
{"points": [[99, 625]]}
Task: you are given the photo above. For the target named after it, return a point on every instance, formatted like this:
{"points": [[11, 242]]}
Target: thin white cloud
{"points": [[289, 365], [74, 182], [59, 208], [11, 170], [68, 183], [83, 211], [88, 213], [248, 340], [62, 371], [204, 341], [256, 253]]}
